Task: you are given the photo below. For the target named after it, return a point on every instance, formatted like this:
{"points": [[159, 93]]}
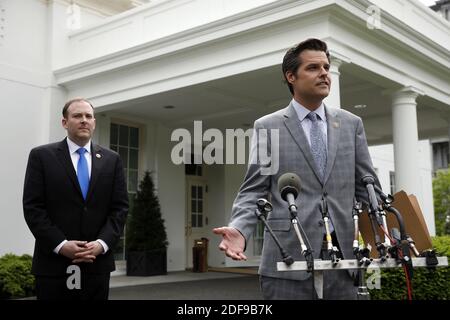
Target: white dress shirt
{"points": [[302, 112]]}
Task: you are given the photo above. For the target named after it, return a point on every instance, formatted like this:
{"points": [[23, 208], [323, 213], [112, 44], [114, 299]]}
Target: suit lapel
{"points": [[97, 163], [294, 126], [64, 157], [333, 132]]}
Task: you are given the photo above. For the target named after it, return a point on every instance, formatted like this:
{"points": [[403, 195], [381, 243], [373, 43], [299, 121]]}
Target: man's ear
{"points": [[64, 123], [290, 77]]}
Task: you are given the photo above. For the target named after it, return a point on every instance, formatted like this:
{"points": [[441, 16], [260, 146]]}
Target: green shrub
{"points": [[16, 280], [441, 199], [426, 284]]}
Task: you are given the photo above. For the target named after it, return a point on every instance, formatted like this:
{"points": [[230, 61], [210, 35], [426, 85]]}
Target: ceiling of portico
{"points": [[235, 102]]}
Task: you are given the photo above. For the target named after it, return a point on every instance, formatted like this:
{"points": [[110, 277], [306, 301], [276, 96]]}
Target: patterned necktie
{"points": [[83, 172], [318, 144]]}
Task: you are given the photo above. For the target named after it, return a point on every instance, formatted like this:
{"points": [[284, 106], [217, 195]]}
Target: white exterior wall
{"points": [[383, 161], [171, 187], [23, 74], [215, 175]]}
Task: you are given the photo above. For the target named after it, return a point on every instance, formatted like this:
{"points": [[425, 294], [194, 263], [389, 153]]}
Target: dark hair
{"points": [[68, 103], [291, 60]]}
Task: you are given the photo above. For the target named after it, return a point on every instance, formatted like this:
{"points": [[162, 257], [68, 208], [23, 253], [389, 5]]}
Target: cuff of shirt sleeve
{"points": [[104, 245], [56, 250]]}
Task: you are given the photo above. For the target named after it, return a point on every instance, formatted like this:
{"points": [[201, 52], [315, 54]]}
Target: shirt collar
{"points": [[73, 147], [302, 112]]}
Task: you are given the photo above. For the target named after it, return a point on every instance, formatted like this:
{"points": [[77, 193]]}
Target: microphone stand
{"points": [[362, 254], [377, 216], [264, 207], [332, 250], [304, 243], [402, 243]]}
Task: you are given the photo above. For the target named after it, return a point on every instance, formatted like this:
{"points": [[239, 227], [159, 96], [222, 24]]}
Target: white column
{"points": [[334, 98], [405, 136]]}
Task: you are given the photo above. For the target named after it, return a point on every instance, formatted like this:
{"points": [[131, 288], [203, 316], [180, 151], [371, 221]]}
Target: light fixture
{"points": [[360, 106]]}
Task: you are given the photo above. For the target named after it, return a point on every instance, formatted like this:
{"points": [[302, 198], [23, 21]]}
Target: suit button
{"points": [[320, 223]]}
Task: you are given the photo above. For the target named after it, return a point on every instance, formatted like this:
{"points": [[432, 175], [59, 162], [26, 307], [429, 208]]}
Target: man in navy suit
{"points": [[75, 203]]}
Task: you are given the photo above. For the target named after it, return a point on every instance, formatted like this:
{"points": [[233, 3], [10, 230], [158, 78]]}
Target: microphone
{"points": [[289, 187], [369, 181]]}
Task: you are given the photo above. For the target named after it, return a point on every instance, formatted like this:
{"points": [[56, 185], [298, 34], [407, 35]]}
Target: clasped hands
{"points": [[81, 251]]}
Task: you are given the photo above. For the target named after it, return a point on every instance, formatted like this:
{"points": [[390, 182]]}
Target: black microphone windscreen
{"points": [[368, 179], [289, 183]]}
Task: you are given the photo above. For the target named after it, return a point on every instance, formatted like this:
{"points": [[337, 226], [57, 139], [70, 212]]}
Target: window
{"points": [[392, 181], [197, 206], [440, 155], [125, 141]]}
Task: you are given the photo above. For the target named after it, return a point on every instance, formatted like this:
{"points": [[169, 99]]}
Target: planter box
{"points": [[147, 263]]}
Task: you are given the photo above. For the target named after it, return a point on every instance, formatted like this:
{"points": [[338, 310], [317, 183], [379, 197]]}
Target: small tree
{"points": [[441, 195], [145, 228]]}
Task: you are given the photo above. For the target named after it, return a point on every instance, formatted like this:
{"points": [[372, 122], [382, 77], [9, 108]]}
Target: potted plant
{"points": [[146, 238]]}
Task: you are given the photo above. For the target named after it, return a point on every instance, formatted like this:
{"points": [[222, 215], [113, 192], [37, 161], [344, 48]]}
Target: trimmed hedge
{"points": [[426, 284], [16, 280]]}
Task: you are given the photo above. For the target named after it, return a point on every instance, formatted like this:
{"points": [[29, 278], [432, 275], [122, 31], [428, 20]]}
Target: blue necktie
{"points": [[83, 172], [318, 144]]}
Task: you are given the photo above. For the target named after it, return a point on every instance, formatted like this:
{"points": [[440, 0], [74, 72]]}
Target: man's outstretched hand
{"points": [[233, 243]]}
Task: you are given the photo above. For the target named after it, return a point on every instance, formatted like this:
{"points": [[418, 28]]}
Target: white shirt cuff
{"points": [[56, 250], [104, 245]]}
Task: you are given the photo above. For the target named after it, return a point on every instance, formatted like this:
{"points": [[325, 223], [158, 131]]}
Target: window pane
{"points": [[200, 206], [200, 192], [193, 221], [113, 133], [193, 192], [134, 137], [123, 135], [133, 159], [124, 156], [132, 180], [193, 206], [113, 148], [200, 221]]}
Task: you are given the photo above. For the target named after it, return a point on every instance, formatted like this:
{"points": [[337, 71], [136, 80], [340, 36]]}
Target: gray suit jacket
{"points": [[348, 160]]}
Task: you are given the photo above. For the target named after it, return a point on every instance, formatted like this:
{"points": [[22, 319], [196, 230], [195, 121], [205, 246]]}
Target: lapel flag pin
{"points": [[98, 155]]}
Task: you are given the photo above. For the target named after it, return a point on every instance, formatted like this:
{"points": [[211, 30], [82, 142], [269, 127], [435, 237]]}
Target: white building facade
{"points": [[164, 64]]}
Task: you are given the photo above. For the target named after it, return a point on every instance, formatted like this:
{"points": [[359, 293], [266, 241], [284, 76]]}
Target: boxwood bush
{"points": [[427, 284], [16, 280]]}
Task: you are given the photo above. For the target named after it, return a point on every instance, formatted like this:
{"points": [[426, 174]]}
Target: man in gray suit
{"points": [[327, 148]]}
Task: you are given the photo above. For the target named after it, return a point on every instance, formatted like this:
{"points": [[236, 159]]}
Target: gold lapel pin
{"points": [[98, 155]]}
